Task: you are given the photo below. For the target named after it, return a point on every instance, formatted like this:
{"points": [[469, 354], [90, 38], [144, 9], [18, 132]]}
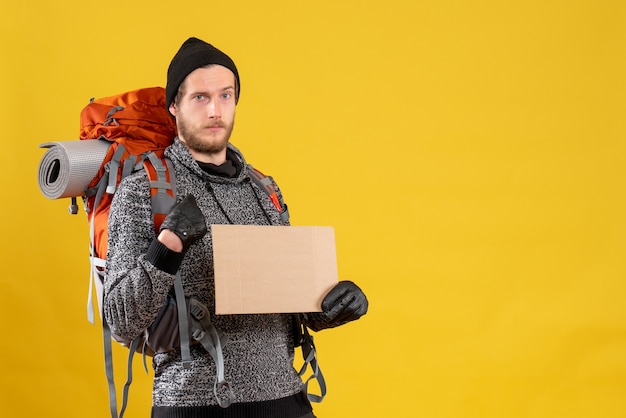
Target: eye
{"points": [[226, 96], [199, 97]]}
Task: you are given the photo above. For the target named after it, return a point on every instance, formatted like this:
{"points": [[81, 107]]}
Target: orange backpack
{"points": [[139, 128]]}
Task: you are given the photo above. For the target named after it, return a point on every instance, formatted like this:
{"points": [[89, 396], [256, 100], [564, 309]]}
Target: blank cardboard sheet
{"points": [[272, 269]]}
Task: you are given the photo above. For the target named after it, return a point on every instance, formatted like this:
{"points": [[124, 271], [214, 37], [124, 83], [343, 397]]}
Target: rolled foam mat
{"points": [[67, 167]]}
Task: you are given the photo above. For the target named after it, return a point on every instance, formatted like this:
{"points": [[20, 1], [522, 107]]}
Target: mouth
{"points": [[214, 128]]}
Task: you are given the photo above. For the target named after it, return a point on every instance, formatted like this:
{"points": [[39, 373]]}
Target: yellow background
{"points": [[469, 154]]}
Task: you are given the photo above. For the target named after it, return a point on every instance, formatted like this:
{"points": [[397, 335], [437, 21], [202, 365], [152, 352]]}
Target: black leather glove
{"points": [[186, 221], [344, 303]]}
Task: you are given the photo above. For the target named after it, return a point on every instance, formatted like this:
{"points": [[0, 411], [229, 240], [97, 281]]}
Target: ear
{"points": [[173, 108]]}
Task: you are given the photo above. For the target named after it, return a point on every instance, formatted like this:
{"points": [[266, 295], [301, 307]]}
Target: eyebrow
{"points": [[206, 93]]}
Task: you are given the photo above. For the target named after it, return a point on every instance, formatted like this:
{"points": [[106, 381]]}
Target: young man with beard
{"points": [[202, 91]]}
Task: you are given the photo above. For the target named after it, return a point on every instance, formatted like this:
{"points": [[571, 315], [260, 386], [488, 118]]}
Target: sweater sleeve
{"points": [[139, 270]]}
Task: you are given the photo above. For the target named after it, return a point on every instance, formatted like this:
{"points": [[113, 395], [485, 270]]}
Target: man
{"points": [[213, 187]]}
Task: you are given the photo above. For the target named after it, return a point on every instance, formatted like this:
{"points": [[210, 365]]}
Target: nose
{"points": [[213, 110]]}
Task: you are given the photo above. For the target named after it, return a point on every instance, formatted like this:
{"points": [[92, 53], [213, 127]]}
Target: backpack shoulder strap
{"points": [[163, 196], [267, 184], [162, 186]]}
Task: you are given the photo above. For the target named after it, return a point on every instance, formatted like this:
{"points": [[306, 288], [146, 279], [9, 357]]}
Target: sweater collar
{"points": [[179, 154], [230, 168]]}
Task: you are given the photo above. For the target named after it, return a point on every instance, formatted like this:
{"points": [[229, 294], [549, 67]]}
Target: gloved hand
{"points": [[186, 221], [344, 303]]}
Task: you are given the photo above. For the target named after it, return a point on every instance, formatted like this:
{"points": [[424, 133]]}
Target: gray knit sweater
{"points": [[258, 357]]}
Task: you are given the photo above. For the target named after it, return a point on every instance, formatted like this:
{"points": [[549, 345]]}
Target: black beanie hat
{"points": [[193, 54]]}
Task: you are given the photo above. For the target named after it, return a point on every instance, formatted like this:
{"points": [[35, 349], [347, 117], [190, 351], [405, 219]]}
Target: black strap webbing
{"points": [[310, 358]]}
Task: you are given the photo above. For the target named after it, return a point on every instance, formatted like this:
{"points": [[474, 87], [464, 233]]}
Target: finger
{"points": [[333, 297], [339, 309], [349, 313], [356, 309]]}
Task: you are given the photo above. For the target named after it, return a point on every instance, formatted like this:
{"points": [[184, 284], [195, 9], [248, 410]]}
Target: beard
{"points": [[201, 141]]}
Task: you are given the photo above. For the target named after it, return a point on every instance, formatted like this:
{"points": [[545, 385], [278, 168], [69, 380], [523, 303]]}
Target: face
{"points": [[205, 112]]}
